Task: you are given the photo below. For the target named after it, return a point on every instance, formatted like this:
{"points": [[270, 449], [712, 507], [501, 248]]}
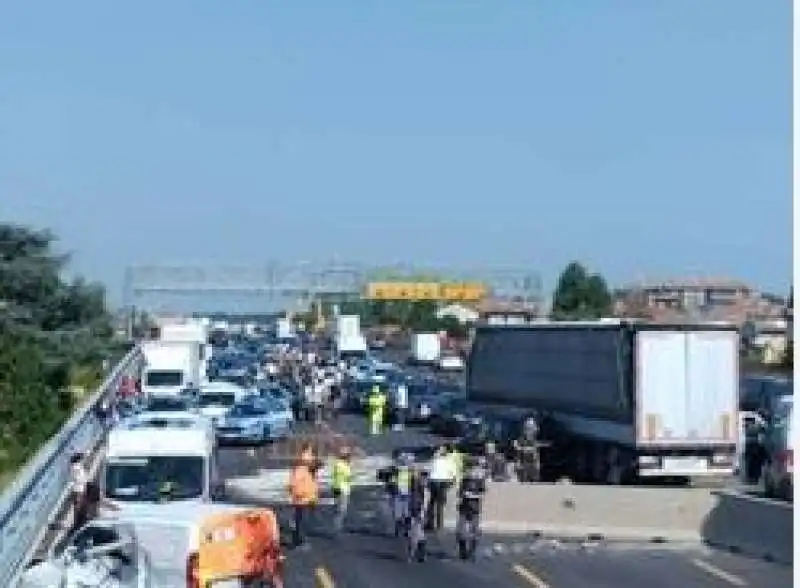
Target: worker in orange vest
{"points": [[304, 494], [307, 455]]}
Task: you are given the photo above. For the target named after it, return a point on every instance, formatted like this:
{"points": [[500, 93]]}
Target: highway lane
{"points": [[367, 556]]}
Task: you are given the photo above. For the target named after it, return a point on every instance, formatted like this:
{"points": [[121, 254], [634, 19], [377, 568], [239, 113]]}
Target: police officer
{"points": [[399, 486], [527, 448], [471, 490], [418, 505]]}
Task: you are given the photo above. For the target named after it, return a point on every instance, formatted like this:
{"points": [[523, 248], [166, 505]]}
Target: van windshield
{"points": [[137, 479], [163, 378], [216, 399]]}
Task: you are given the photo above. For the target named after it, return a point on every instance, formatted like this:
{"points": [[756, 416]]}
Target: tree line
{"points": [[55, 336]]}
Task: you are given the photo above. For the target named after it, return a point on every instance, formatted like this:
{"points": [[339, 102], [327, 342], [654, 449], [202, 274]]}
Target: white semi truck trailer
{"points": [[624, 400]]}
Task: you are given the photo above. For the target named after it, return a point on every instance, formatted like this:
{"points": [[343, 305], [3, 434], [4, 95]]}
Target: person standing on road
{"points": [[319, 397], [401, 406], [342, 484], [308, 396], [79, 481], [402, 478], [304, 494], [441, 478], [376, 405], [418, 506], [527, 449]]}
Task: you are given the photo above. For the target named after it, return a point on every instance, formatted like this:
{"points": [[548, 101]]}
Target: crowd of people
{"points": [[416, 495]]}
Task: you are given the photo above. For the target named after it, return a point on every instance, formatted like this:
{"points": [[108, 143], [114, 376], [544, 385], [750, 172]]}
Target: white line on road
{"points": [[713, 570], [529, 576]]}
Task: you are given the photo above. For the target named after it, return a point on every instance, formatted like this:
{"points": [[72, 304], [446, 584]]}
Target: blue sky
{"points": [[646, 138]]}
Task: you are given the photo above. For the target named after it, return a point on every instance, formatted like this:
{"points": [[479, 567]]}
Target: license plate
{"points": [[686, 465]]}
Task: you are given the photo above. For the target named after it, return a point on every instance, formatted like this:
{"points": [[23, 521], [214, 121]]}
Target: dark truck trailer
{"points": [[632, 399]]}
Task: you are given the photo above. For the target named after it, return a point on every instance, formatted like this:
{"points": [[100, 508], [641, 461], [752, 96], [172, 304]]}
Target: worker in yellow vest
{"points": [[342, 484], [376, 407], [458, 460]]}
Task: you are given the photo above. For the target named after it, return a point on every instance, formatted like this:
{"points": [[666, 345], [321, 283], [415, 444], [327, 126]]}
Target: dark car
{"points": [[499, 429], [424, 399], [452, 417]]}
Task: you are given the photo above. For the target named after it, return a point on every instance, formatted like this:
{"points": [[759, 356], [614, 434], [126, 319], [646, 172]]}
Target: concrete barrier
{"points": [[600, 512], [730, 520], [750, 525]]}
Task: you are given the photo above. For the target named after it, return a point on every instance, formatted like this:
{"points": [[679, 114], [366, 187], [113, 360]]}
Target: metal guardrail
{"points": [[27, 506]]}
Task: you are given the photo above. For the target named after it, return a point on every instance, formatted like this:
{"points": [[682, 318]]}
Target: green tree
{"points": [[580, 295], [53, 333]]}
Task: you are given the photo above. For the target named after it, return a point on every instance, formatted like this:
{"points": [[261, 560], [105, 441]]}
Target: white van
{"points": [[170, 419], [153, 455]]}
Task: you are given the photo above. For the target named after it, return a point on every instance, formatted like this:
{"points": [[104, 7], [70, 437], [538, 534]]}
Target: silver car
{"points": [[246, 423]]}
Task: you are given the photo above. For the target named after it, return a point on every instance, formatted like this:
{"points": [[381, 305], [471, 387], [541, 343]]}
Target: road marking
{"points": [[719, 573], [529, 576], [324, 579]]}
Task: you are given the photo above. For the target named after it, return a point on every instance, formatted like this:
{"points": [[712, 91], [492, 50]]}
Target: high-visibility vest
{"points": [[342, 476], [403, 480], [303, 487], [458, 462]]}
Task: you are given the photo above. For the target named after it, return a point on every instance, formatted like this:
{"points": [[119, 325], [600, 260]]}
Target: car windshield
{"points": [[167, 405], [163, 378], [143, 478], [216, 399], [246, 410]]}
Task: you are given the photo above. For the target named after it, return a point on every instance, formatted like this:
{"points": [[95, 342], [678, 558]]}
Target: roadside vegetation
{"points": [[56, 336]]}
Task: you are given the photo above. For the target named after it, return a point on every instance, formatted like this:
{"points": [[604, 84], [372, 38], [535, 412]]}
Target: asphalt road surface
{"points": [[367, 555]]}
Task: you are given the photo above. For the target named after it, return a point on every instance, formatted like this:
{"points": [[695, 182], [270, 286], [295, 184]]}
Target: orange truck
{"points": [[237, 550]]}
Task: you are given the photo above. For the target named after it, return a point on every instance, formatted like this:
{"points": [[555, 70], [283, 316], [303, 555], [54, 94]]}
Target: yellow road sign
{"points": [[444, 291]]}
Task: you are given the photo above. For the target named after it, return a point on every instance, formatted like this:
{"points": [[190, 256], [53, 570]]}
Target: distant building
{"points": [[706, 299], [507, 312]]}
